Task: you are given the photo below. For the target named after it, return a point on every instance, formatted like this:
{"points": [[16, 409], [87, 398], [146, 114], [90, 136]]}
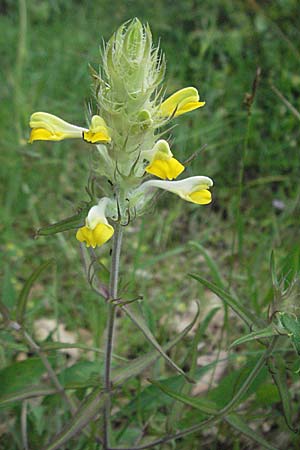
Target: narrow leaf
{"points": [[138, 320], [175, 413], [23, 394], [247, 316], [278, 371], [86, 412], [205, 406], [259, 334], [138, 365], [48, 346], [70, 223], [238, 424], [23, 297], [215, 272]]}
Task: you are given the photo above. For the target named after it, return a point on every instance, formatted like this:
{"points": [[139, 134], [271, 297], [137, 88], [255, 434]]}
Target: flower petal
{"points": [[41, 134], [96, 237], [98, 131], [182, 101], [201, 197], [165, 168]]}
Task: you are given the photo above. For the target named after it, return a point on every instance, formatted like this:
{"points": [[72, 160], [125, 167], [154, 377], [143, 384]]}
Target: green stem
{"points": [[113, 293]]}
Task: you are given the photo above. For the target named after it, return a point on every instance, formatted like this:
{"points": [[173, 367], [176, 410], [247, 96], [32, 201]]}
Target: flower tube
{"points": [[47, 127], [193, 189]]}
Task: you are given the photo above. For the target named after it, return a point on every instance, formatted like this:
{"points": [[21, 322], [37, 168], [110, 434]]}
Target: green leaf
{"points": [[83, 374], [21, 380], [23, 297], [21, 374], [138, 365], [277, 367], [151, 398], [70, 223], [49, 346], [215, 272], [84, 415], [204, 406], [38, 390], [139, 321], [191, 358], [240, 425], [247, 316], [259, 334], [291, 325]]}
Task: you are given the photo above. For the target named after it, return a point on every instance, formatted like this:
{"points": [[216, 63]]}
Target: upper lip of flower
{"points": [[181, 102]]}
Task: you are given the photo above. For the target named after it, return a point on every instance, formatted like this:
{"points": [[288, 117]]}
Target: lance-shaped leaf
{"points": [[23, 297], [85, 413], [138, 365], [70, 223], [139, 321], [208, 407], [38, 390], [240, 425], [191, 359], [214, 270], [247, 316], [277, 368], [205, 406], [291, 325], [259, 334], [49, 346]]}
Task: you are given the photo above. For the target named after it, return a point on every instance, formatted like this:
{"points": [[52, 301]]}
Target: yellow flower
{"points": [[47, 127], [193, 189], [163, 165], [98, 131], [97, 230], [181, 102]]}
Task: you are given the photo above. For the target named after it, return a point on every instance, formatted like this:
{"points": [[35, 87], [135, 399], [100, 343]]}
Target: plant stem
{"points": [[113, 293]]}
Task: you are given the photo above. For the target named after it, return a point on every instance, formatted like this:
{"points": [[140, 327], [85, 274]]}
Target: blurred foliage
{"points": [[253, 157]]}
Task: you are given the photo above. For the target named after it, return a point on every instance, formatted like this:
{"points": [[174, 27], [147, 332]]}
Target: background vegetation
{"points": [[251, 152]]}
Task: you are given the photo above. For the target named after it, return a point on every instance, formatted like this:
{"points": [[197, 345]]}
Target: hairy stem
{"points": [[113, 293]]}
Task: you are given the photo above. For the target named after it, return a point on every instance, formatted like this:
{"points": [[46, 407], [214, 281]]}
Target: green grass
{"points": [[217, 47]]}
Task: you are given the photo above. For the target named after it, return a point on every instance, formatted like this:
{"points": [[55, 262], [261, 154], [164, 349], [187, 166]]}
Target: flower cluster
{"points": [[126, 131]]}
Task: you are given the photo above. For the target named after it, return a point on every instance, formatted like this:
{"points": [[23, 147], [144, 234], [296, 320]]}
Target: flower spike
{"points": [[181, 102], [163, 165], [97, 230], [47, 127], [193, 189]]}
